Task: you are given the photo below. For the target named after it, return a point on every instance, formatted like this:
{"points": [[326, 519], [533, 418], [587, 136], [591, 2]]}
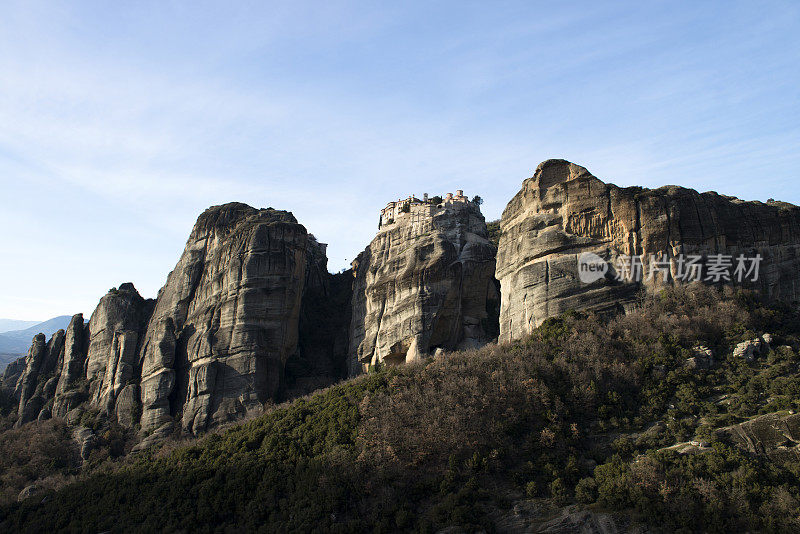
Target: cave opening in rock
{"points": [[396, 358]]}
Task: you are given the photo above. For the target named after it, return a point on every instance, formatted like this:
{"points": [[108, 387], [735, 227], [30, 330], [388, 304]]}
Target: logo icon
{"points": [[591, 267]]}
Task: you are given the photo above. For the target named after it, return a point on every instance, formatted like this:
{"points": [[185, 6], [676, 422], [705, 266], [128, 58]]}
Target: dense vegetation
{"points": [[581, 411]]}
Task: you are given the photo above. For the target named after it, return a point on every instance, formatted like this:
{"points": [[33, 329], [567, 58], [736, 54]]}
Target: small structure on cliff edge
{"points": [[398, 208]]}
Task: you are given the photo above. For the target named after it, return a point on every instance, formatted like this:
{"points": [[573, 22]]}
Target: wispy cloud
{"points": [[121, 123]]}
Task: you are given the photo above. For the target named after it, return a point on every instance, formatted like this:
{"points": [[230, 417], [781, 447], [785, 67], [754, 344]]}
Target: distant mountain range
{"points": [[15, 343], [7, 325]]}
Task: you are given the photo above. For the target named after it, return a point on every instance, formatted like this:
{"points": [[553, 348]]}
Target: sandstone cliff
{"points": [[114, 331], [563, 211], [89, 364], [321, 356], [250, 313], [68, 396], [426, 281], [211, 347], [226, 320], [25, 392]]}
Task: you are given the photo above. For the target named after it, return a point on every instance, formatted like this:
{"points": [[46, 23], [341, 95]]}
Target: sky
{"points": [[120, 122]]}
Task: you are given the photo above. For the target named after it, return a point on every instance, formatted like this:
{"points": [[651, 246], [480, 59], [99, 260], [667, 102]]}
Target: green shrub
{"points": [[586, 490]]}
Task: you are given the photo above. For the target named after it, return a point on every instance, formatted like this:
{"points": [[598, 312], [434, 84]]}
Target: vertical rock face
{"points": [[212, 346], [424, 282], [55, 354], [127, 407], [322, 351], [72, 367], [226, 320], [563, 211], [36, 385], [115, 328], [26, 386]]}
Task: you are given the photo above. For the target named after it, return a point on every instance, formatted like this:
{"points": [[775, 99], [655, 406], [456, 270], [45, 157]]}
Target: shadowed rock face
{"points": [[321, 356], [423, 283], [115, 328], [563, 211], [226, 320], [26, 386], [87, 362], [72, 367], [37, 383]]}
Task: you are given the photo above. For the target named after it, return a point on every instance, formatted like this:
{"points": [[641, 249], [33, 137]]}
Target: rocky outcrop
{"points": [[563, 211], [55, 354], [86, 440], [426, 281], [702, 358], [752, 348], [26, 386], [127, 408], [28, 491], [774, 435], [12, 373], [88, 363], [226, 320], [67, 396], [210, 348], [115, 327], [536, 516], [575, 519]]}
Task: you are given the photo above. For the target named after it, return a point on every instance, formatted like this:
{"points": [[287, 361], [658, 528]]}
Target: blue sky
{"points": [[121, 121]]}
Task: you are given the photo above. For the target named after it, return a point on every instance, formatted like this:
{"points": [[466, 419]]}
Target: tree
{"points": [[436, 200], [477, 200]]}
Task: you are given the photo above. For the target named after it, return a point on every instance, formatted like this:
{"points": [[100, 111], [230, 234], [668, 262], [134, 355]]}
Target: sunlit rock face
{"points": [[226, 320], [563, 211], [211, 347], [426, 281]]}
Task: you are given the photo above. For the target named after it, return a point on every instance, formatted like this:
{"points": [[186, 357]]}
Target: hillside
{"points": [[657, 418]]}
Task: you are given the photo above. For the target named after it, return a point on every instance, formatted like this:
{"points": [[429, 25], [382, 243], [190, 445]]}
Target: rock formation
{"points": [[211, 347], [426, 281], [564, 211], [75, 367], [115, 328], [775, 435], [12, 373], [322, 350], [226, 320], [67, 396], [26, 391], [250, 314]]}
